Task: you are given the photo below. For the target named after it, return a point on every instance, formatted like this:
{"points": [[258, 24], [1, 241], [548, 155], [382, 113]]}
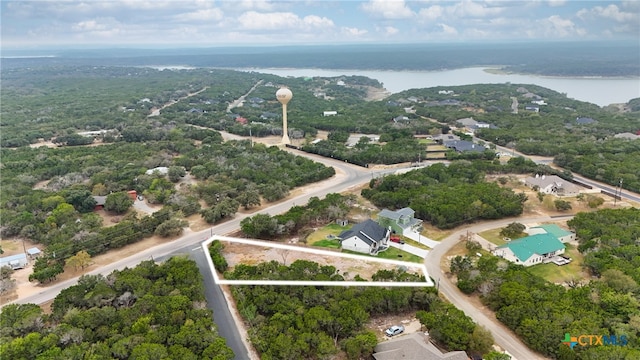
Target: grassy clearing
{"points": [[322, 233], [391, 254], [493, 236], [434, 233], [328, 243], [561, 274]]}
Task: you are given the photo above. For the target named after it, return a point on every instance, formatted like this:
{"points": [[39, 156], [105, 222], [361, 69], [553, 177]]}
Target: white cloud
{"points": [[388, 9], [614, 13], [253, 20], [88, 25], [557, 3], [611, 12], [431, 13], [201, 15], [261, 5], [448, 30], [555, 26], [633, 5], [351, 31], [473, 9], [390, 30]]}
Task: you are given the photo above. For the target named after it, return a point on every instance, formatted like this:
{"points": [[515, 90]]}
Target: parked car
{"points": [[394, 330], [397, 239]]}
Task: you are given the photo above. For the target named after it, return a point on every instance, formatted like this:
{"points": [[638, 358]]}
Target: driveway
{"points": [[144, 207], [410, 249], [503, 336], [413, 235]]}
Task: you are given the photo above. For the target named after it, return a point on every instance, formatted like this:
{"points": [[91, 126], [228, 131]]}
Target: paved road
{"points": [[239, 101], [502, 335], [217, 302], [347, 177]]}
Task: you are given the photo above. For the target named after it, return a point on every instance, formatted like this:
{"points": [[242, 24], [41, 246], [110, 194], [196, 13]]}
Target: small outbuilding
{"points": [[33, 252]]}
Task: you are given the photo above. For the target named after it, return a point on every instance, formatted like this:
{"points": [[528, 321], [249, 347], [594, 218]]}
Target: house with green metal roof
{"points": [[552, 229], [531, 250]]}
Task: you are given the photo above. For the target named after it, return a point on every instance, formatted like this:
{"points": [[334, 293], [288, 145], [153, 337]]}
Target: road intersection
{"points": [[348, 177]]}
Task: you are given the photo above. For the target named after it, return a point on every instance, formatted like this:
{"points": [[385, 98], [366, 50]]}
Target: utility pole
{"points": [[617, 193]]}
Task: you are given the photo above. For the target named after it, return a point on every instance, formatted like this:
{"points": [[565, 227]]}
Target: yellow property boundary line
{"points": [[269, 244]]}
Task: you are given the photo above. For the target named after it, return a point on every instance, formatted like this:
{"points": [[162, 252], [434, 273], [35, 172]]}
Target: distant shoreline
{"points": [[500, 71]]}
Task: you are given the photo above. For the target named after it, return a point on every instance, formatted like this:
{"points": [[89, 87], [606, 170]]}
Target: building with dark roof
{"points": [[413, 347], [366, 237], [464, 146]]}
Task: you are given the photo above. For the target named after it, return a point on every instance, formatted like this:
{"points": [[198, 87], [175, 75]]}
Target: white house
{"points": [[552, 184], [366, 237], [162, 170], [531, 250], [15, 262], [561, 234], [329, 113]]}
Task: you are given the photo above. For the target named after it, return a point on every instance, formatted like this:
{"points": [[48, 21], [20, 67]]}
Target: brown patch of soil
{"points": [[378, 324], [236, 253]]}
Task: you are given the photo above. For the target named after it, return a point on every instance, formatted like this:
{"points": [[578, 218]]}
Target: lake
{"points": [[600, 91]]}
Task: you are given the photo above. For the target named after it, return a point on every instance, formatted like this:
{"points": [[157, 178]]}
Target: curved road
{"points": [[347, 176], [501, 334]]}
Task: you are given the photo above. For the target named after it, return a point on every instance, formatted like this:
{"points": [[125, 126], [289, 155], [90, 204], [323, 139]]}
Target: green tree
{"points": [[513, 230], [481, 341], [80, 260], [249, 198], [619, 281], [562, 205], [118, 202], [171, 227], [175, 173], [259, 226], [80, 198], [494, 355]]}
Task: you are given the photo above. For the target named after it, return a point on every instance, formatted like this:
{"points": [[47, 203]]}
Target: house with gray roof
{"points": [[399, 221], [531, 250], [366, 237], [585, 120], [269, 115], [466, 121], [441, 138], [464, 146], [552, 184], [413, 346]]}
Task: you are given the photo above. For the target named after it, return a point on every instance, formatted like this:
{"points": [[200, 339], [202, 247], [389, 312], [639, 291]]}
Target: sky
{"points": [[200, 23]]}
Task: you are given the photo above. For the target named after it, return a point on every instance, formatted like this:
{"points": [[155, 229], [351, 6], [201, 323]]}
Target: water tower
{"points": [[284, 95]]}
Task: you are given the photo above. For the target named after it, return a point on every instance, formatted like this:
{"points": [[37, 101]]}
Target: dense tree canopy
{"points": [[541, 313], [307, 322], [148, 312], [446, 196]]}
